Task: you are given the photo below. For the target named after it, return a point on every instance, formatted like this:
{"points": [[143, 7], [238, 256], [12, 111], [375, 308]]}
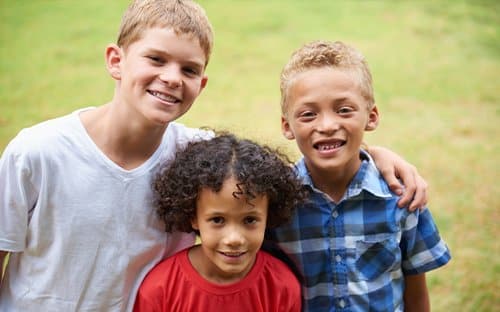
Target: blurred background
{"points": [[436, 69]]}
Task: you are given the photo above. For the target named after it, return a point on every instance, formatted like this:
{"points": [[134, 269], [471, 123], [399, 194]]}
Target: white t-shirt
{"points": [[81, 230]]}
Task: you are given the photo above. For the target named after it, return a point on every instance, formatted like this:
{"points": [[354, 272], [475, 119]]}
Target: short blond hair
{"points": [[182, 16], [318, 54]]}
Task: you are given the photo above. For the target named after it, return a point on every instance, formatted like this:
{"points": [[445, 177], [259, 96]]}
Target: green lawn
{"points": [[436, 68]]}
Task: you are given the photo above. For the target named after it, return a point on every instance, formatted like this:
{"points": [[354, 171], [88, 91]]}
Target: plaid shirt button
{"points": [[341, 303], [335, 214], [338, 258]]}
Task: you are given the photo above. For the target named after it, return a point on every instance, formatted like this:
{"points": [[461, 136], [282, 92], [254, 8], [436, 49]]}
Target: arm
{"points": [[393, 167], [3, 254], [416, 296]]}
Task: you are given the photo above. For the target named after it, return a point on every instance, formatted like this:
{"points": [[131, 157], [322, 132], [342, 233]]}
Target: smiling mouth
{"points": [[232, 254], [328, 146], [164, 97]]}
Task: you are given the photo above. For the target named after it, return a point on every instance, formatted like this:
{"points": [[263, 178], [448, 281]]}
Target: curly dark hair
{"points": [[259, 170]]}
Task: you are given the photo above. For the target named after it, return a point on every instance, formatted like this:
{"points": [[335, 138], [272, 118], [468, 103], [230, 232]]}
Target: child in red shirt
{"points": [[228, 191]]}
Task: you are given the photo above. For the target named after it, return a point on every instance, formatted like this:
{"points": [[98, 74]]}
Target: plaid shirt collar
{"points": [[367, 178]]}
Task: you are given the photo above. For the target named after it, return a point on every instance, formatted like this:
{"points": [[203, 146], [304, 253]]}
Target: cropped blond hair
{"points": [[318, 54], [182, 16]]}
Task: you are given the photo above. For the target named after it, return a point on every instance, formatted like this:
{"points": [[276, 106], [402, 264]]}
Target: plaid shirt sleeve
{"points": [[422, 248]]}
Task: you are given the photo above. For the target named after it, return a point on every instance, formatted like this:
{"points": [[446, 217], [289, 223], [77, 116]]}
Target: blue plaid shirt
{"points": [[354, 254]]}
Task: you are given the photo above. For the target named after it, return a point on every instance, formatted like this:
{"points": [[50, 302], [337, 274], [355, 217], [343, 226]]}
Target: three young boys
{"points": [[358, 251], [75, 192]]}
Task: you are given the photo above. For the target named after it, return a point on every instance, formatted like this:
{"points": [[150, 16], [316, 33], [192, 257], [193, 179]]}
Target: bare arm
{"points": [[393, 167], [3, 254], [416, 296]]}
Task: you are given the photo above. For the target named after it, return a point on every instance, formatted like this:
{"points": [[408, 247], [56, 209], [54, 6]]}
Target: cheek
{"points": [[208, 237], [258, 236], [196, 87], [302, 132]]}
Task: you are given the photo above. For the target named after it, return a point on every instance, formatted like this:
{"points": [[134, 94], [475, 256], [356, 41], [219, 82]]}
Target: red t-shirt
{"points": [[174, 285]]}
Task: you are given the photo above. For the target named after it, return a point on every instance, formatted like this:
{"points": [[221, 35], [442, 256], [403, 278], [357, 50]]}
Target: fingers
{"points": [[420, 196], [402, 178], [392, 181], [415, 192]]}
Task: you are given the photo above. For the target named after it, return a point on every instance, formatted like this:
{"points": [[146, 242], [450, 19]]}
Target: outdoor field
{"points": [[436, 69]]}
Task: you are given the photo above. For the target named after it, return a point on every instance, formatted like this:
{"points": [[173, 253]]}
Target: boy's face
{"points": [[327, 116], [231, 232], [160, 75]]}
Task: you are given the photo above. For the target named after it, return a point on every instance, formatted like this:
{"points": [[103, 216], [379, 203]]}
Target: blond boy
{"points": [[357, 249], [75, 192]]}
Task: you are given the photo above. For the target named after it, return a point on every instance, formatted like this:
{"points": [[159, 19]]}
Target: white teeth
{"points": [[164, 97], [232, 254], [325, 147]]}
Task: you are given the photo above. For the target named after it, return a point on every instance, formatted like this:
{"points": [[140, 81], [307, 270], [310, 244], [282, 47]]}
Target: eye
{"points": [[345, 110], [250, 220], [306, 115], [155, 59], [191, 71], [217, 220]]}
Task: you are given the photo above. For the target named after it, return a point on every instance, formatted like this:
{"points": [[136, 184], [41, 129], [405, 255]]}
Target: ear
{"points": [[194, 224], [286, 130], [204, 81], [373, 119], [113, 56]]}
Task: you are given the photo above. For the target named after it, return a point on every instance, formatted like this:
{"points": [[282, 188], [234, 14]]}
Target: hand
{"points": [[395, 170]]}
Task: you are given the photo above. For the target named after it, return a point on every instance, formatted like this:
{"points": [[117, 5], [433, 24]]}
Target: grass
{"points": [[436, 73]]}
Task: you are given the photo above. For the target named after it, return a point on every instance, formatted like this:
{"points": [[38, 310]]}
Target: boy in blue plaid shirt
{"points": [[356, 249]]}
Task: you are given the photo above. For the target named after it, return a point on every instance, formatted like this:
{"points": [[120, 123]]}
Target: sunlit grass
{"points": [[436, 71]]}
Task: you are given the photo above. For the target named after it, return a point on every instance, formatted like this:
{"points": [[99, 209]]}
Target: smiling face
{"points": [[231, 232], [327, 116], [159, 75]]}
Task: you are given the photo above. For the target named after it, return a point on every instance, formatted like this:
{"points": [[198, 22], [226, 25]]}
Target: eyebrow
{"points": [[341, 100], [335, 101], [190, 62]]}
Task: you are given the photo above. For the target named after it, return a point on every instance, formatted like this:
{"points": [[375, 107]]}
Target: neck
{"points": [[127, 143], [210, 272], [334, 182]]}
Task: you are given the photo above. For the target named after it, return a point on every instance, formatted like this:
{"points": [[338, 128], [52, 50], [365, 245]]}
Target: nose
{"points": [[328, 123], [234, 237], [172, 76]]}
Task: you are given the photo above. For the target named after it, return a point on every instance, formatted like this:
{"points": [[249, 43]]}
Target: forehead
{"points": [[230, 200], [323, 82], [166, 40]]}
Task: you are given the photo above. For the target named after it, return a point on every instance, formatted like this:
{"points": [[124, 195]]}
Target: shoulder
{"points": [[47, 130], [36, 139], [177, 136], [166, 272], [370, 180], [182, 134], [160, 286], [277, 275], [168, 265], [279, 271]]}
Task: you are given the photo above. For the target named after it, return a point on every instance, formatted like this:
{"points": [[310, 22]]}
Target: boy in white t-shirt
{"points": [[75, 192]]}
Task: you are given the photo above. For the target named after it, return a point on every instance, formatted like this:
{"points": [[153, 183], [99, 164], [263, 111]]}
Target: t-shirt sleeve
{"points": [[151, 293], [146, 301], [17, 195], [422, 247], [290, 295]]}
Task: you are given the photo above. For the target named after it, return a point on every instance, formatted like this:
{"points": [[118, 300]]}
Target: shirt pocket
{"points": [[375, 257]]}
